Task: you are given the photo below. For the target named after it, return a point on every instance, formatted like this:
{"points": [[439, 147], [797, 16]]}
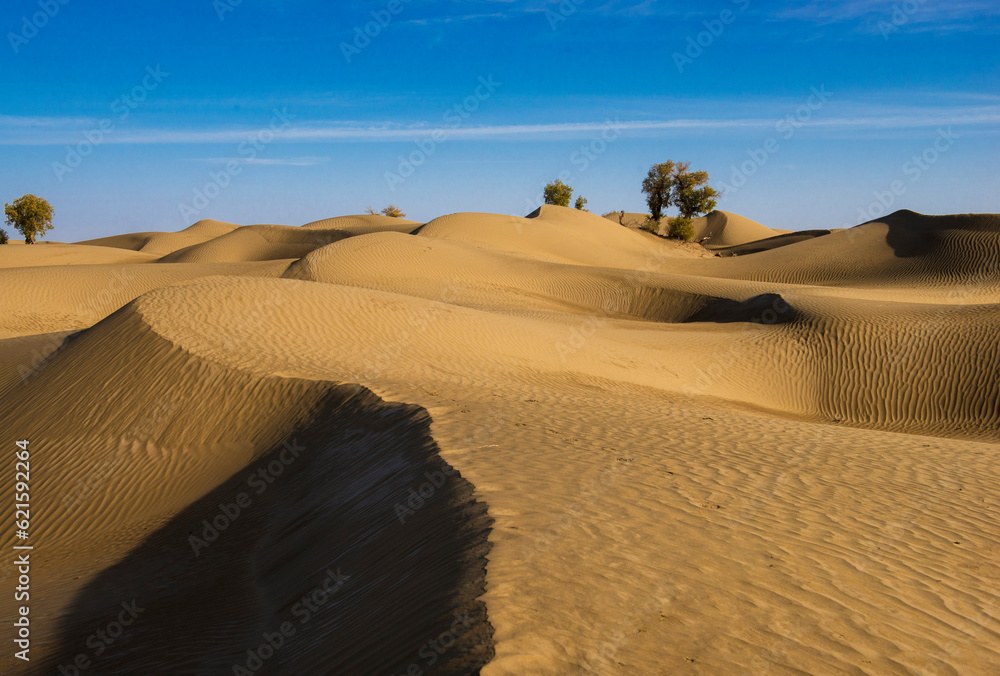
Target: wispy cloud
{"points": [[51, 131], [306, 161], [918, 15]]}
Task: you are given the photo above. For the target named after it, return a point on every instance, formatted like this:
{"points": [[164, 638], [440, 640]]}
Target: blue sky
{"points": [[148, 116]]}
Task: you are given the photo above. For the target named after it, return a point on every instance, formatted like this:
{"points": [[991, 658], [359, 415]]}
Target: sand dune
{"points": [[162, 243], [517, 445], [721, 228]]}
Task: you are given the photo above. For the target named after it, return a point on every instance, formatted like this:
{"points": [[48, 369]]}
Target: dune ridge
{"points": [[629, 455]]}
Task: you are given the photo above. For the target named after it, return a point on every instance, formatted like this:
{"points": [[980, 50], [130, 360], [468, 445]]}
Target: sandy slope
{"points": [[632, 459], [717, 229]]}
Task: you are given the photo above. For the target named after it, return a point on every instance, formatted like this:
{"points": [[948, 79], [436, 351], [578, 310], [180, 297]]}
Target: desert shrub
{"points": [[651, 225], [581, 203], [3, 236], [393, 211], [681, 228], [558, 193]]}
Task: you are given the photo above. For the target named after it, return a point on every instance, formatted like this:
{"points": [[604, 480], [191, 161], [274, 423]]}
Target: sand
{"points": [[500, 445]]}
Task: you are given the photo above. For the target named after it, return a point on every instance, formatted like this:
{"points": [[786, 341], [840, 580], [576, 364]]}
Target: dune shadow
{"points": [[349, 548], [910, 234], [767, 308]]}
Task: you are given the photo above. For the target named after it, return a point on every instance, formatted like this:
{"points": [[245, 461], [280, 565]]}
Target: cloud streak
{"points": [[15, 131]]}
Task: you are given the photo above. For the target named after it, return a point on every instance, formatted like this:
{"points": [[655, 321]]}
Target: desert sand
{"points": [[501, 445]]}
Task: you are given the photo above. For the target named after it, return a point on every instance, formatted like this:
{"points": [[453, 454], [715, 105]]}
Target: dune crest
{"points": [[505, 445]]}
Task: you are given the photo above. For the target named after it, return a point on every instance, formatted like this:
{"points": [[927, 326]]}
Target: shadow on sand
{"points": [[331, 566]]}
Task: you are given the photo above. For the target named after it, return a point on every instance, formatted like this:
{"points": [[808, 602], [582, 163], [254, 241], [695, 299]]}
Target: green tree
{"points": [[558, 193], [691, 194], [658, 187], [581, 203], [681, 228], [393, 211], [30, 215], [3, 236]]}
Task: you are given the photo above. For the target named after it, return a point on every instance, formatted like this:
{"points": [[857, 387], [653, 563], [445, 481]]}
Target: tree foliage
{"points": [[3, 236], [691, 194], [558, 193], [658, 187], [393, 211], [581, 203], [681, 228], [30, 215], [672, 184]]}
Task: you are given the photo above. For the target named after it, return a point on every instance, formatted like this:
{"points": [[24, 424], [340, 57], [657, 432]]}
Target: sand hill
{"points": [[506, 445]]}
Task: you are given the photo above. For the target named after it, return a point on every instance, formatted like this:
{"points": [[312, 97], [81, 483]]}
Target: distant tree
{"points": [[681, 228], [581, 203], [371, 210], [30, 215], [3, 236], [558, 193], [658, 187], [393, 211], [691, 194]]}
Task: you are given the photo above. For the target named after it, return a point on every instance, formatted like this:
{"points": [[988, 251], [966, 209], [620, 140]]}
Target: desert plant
{"points": [[651, 225], [30, 215], [681, 228], [658, 186], [3, 236], [371, 211], [581, 203], [558, 193], [671, 183], [393, 211], [691, 196]]}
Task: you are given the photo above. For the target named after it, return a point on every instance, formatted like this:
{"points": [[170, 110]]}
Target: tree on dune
{"points": [[3, 236], [581, 203], [658, 186], [672, 184], [393, 211], [30, 215], [691, 194], [558, 193]]}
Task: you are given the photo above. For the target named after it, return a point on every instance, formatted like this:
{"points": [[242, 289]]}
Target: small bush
{"points": [[681, 228], [651, 225], [3, 236], [581, 203], [393, 211]]}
